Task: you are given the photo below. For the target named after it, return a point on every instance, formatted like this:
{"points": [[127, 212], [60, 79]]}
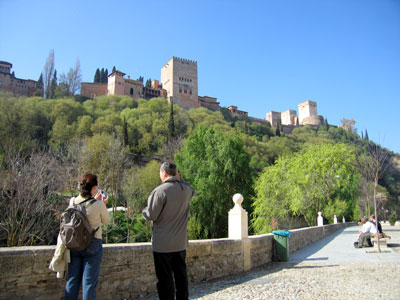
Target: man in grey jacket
{"points": [[168, 208]]}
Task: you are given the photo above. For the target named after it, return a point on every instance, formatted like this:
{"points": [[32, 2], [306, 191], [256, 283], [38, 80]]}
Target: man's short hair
{"points": [[169, 167]]}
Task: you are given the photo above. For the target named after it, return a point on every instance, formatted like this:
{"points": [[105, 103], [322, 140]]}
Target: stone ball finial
{"points": [[237, 199]]}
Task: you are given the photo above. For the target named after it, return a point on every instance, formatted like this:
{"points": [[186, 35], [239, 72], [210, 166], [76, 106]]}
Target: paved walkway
{"points": [[328, 269]]}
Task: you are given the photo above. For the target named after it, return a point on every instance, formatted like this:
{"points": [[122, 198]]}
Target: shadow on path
{"points": [[329, 252]]}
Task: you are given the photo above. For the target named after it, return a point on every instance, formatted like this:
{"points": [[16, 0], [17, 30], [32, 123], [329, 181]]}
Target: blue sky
{"points": [[258, 55]]}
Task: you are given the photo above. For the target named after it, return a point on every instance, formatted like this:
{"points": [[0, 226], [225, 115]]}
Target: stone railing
{"points": [[127, 270]]}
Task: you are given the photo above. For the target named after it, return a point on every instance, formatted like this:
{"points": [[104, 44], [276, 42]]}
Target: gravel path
{"points": [[319, 274]]}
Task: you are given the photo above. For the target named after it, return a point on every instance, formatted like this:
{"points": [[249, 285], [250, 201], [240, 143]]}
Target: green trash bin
{"points": [[281, 241]]}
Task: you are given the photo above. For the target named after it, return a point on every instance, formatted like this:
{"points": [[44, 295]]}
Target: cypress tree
{"points": [[366, 135], [326, 124], [171, 125], [113, 69], [53, 85], [102, 75], [126, 138], [39, 85], [106, 75], [148, 83], [97, 76], [278, 131]]}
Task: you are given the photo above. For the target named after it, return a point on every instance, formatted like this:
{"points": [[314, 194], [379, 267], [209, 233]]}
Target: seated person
{"points": [[373, 220], [366, 232]]}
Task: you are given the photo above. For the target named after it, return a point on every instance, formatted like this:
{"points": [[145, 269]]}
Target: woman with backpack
{"points": [[84, 268]]}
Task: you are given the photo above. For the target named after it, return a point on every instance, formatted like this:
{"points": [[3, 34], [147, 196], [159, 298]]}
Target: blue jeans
{"points": [[84, 269]]}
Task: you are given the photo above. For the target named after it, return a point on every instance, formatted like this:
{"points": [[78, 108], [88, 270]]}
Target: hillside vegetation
{"points": [[46, 144]]}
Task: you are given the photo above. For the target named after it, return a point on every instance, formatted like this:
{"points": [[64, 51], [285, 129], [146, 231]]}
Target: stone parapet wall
{"points": [[128, 271]]}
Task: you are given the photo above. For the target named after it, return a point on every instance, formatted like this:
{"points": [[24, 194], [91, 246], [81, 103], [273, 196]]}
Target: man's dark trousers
{"points": [[170, 266]]}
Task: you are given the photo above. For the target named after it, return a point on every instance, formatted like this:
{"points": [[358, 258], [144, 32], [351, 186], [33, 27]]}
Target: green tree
{"points": [[203, 116], [39, 87], [97, 76], [84, 126], [217, 167], [104, 155], [125, 133], [102, 76], [171, 124], [321, 177], [53, 86], [61, 133], [138, 184]]}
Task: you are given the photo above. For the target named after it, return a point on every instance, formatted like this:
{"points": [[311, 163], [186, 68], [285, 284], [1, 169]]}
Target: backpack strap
{"points": [[90, 203]]}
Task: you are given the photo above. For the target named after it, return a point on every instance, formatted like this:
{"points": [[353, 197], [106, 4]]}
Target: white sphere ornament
{"points": [[238, 199]]}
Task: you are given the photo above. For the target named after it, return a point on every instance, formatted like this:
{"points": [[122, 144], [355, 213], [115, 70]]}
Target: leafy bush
{"points": [[392, 219]]}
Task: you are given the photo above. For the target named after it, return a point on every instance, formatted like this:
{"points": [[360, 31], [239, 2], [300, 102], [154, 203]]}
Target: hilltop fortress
{"points": [[179, 84]]}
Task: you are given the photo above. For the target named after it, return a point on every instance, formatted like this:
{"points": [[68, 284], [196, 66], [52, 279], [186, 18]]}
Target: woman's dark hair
{"points": [[87, 182]]}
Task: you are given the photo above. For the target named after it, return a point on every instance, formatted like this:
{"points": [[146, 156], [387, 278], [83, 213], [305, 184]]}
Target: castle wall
{"points": [[93, 90], [313, 120], [133, 88], [236, 112], [209, 102], [16, 86]]}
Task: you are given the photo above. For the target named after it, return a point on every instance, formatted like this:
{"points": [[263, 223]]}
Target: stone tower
{"points": [[308, 114], [179, 79], [307, 109]]}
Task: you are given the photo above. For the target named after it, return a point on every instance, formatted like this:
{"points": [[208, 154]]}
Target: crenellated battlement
{"points": [[184, 60]]}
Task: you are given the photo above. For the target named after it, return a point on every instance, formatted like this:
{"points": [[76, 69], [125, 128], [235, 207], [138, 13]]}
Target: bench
{"points": [[382, 242]]}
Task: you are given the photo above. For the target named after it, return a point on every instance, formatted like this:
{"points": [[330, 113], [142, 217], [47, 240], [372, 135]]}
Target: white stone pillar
{"points": [[344, 220], [334, 219], [320, 219], [238, 220]]}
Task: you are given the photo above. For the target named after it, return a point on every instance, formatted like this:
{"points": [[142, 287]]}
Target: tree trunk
{"points": [[376, 211]]}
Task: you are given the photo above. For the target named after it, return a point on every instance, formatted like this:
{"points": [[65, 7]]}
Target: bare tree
{"points": [[171, 147], [27, 202], [380, 163], [365, 166], [348, 125], [70, 157], [48, 74], [72, 80]]}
